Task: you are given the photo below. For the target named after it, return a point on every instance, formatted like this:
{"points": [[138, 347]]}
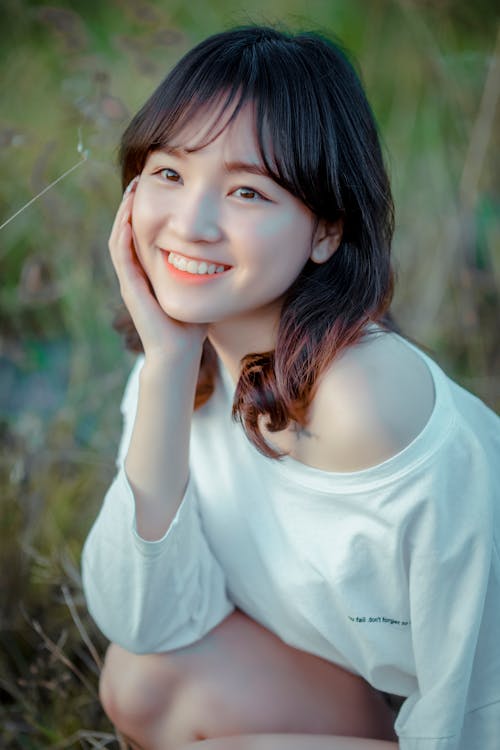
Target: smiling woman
{"points": [[287, 557]]}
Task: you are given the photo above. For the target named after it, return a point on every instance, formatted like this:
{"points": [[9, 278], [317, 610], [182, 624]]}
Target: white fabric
{"points": [[392, 572]]}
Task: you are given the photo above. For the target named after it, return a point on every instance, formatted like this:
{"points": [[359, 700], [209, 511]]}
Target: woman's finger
{"points": [[125, 261], [123, 212]]}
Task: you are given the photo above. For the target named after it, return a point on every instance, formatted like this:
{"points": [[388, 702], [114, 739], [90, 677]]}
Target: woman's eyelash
{"points": [[255, 193], [173, 175]]}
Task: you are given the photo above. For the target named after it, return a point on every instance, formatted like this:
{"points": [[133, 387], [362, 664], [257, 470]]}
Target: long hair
{"points": [[310, 105]]}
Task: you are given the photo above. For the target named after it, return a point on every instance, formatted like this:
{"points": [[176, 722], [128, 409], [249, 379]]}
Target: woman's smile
{"points": [[194, 271]]}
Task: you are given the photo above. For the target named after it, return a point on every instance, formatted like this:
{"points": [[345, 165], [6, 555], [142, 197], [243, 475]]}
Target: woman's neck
{"points": [[234, 339]]}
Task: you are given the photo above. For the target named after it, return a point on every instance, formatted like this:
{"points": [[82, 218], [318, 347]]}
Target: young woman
{"points": [[316, 543]]}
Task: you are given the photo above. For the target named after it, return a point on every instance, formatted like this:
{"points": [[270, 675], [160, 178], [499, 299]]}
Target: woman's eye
{"points": [[169, 174], [248, 194]]}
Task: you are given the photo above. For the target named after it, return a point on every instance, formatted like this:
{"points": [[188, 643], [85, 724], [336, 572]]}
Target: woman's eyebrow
{"points": [[243, 166], [179, 153], [251, 167]]}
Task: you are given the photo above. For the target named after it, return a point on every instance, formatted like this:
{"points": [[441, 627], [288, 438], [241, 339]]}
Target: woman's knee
{"points": [[135, 689], [155, 695]]}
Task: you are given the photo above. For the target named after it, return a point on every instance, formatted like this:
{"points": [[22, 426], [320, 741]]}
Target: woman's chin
{"points": [[186, 316]]}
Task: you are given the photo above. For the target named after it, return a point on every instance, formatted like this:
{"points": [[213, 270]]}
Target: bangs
{"points": [[215, 81]]}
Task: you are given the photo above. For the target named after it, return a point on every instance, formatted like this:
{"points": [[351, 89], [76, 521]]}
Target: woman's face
{"points": [[197, 213]]}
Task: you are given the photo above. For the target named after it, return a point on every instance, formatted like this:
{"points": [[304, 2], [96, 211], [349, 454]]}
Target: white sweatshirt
{"points": [[392, 572]]}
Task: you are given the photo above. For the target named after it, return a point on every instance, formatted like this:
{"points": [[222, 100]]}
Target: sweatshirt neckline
{"points": [[419, 450]]}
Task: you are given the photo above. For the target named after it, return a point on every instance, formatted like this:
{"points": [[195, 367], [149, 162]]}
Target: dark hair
{"points": [[326, 151]]}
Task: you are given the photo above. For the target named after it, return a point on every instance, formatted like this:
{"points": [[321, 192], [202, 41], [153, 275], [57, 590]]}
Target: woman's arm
{"points": [[150, 596], [157, 459], [150, 580]]}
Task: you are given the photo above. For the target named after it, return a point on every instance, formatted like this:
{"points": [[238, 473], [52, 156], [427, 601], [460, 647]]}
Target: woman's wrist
{"points": [[161, 363]]}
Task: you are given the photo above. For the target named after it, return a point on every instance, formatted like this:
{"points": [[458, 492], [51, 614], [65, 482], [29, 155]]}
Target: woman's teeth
{"points": [[194, 266]]}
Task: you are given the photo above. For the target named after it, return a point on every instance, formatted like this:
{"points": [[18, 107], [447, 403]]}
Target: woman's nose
{"points": [[195, 218]]}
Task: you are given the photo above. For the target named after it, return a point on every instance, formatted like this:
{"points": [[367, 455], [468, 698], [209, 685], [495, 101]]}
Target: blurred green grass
{"points": [[78, 70]]}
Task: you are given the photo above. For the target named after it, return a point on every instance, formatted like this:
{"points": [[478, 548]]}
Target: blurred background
{"points": [[72, 74]]}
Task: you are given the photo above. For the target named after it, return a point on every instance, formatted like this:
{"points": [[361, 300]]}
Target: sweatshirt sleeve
{"points": [[150, 596], [454, 585]]}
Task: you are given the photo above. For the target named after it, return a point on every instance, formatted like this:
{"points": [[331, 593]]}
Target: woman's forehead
{"points": [[236, 127], [210, 120]]}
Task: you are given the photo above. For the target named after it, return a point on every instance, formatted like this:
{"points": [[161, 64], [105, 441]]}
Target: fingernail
{"points": [[130, 186]]}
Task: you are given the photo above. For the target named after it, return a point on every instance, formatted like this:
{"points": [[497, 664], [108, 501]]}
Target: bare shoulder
{"points": [[370, 404]]}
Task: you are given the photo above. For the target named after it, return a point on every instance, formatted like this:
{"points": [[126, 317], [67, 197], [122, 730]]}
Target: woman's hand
{"points": [[159, 333]]}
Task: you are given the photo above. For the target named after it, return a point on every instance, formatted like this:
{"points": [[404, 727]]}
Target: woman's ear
{"points": [[327, 239]]}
